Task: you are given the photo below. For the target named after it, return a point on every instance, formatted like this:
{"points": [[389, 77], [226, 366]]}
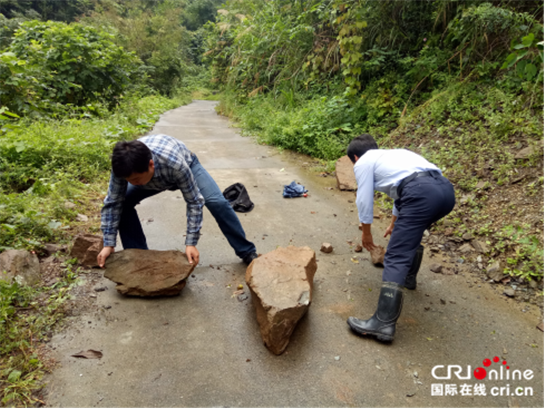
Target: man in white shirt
{"points": [[422, 196]]}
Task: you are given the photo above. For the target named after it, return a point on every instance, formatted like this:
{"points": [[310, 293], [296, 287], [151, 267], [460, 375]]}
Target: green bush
{"points": [[52, 63]]}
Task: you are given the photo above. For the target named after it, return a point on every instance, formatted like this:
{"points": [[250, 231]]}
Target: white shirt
{"points": [[383, 170]]}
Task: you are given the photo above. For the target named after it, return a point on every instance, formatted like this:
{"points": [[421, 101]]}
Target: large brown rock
{"points": [[21, 266], [344, 170], [281, 286], [86, 248], [148, 273]]}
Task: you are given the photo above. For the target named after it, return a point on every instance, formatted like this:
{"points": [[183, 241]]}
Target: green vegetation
{"points": [[459, 82], [27, 317]]}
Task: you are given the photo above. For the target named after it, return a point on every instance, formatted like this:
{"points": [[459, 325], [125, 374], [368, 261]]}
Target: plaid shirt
{"points": [[172, 162]]}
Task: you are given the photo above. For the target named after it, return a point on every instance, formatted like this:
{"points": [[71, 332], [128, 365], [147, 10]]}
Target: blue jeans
{"points": [[423, 201], [130, 228]]}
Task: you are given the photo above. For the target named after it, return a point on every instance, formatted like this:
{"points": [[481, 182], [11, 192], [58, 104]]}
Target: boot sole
{"points": [[380, 337]]}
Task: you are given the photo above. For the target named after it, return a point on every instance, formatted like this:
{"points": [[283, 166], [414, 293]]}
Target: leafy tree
{"points": [[154, 32], [199, 12]]}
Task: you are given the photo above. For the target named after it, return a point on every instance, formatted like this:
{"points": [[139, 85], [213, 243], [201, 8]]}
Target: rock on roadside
{"points": [[21, 266], [344, 170], [326, 248], [281, 286], [148, 273], [86, 248]]}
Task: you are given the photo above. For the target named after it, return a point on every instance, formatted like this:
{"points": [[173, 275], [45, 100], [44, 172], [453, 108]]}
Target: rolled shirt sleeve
{"points": [[395, 212], [112, 209], [364, 173]]}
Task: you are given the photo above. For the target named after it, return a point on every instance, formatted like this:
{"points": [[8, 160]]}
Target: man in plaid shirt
{"points": [[153, 164]]}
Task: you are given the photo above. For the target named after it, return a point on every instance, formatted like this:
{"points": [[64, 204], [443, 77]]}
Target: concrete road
{"points": [[204, 349]]}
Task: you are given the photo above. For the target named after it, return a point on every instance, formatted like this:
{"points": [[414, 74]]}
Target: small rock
{"points": [[467, 236], [51, 249], [466, 198], [337, 358], [479, 259], [480, 246], [358, 249], [242, 297], [326, 248], [494, 272], [69, 205], [377, 255], [509, 292], [448, 272], [436, 268], [466, 248], [86, 248], [525, 153], [101, 288], [443, 301], [480, 185], [82, 218], [533, 284]]}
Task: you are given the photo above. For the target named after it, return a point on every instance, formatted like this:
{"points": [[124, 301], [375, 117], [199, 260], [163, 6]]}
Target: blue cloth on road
{"points": [[294, 190]]}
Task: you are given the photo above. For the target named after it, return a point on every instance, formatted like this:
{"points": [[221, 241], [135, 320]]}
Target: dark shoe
{"points": [[249, 258], [410, 280], [383, 323]]}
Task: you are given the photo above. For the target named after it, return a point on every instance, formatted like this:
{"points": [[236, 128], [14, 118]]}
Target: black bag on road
{"points": [[238, 198]]}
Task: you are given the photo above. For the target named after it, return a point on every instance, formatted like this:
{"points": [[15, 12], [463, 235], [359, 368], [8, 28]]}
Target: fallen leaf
{"points": [[430, 339], [240, 286], [282, 170], [354, 260], [89, 354]]}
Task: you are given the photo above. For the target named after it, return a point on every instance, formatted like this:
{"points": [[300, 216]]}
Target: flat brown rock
{"points": [[344, 170], [377, 255], [148, 273], [281, 286]]}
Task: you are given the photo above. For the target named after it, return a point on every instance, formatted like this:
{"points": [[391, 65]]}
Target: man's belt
{"points": [[415, 175]]}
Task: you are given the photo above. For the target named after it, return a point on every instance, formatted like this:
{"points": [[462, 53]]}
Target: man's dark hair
{"points": [[130, 157], [360, 145]]}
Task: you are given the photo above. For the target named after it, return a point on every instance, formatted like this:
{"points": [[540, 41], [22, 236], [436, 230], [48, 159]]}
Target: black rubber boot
{"points": [[410, 280], [383, 323]]}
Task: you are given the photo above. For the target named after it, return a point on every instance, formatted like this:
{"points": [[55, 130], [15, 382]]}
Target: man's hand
{"points": [[192, 254], [367, 237], [103, 255]]}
